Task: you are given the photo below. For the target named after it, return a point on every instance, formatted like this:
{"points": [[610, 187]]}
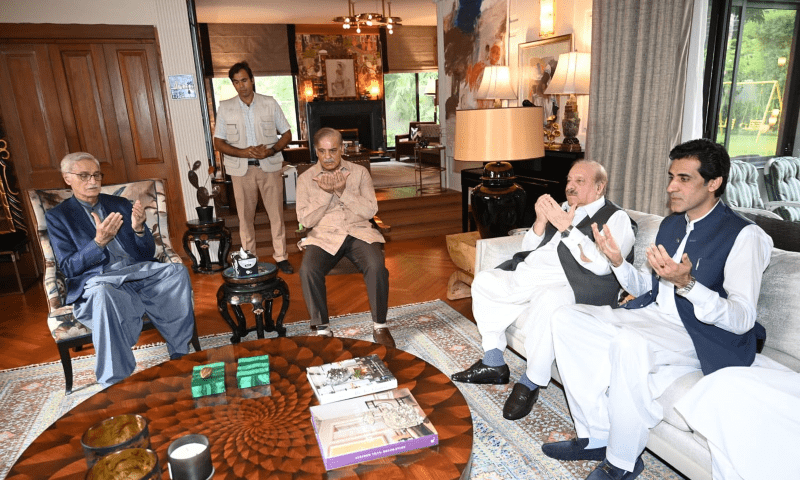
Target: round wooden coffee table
{"points": [[262, 432]]}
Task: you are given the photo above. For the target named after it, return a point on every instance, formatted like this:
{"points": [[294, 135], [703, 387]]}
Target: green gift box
{"points": [[208, 386], [253, 371]]}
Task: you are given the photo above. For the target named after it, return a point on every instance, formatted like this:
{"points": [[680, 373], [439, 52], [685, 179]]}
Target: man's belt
{"points": [[254, 162]]}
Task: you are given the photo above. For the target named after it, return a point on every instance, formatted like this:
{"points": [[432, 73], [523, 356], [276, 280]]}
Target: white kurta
{"points": [[750, 417], [616, 363], [538, 287]]}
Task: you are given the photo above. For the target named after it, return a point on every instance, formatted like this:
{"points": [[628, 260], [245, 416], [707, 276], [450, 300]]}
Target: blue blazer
{"points": [[72, 234]]}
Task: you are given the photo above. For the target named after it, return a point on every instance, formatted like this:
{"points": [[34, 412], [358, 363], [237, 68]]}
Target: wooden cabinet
{"points": [[66, 91]]}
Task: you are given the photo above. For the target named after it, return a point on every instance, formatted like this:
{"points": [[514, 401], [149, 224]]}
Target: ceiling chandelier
{"points": [[353, 20]]}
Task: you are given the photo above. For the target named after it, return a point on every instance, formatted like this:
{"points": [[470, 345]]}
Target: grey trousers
{"points": [[112, 306], [367, 257]]}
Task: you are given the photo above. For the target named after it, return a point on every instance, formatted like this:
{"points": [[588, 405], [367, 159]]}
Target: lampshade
{"points": [[499, 134], [496, 84], [572, 75]]}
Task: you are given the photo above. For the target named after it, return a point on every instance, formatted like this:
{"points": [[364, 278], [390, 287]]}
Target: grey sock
{"points": [[527, 382], [493, 358]]}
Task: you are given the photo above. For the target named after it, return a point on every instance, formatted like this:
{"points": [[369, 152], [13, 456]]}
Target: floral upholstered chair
{"points": [[68, 332]]}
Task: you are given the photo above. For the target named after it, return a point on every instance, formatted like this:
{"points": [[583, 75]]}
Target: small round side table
{"points": [[201, 232], [257, 289]]}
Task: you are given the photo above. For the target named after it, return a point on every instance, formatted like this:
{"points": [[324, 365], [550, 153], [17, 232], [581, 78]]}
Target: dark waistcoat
{"points": [[589, 289], [708, 247]]}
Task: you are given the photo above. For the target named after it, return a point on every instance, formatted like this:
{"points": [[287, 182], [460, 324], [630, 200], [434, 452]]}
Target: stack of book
{"points": [[363, 415], [350, 378]]}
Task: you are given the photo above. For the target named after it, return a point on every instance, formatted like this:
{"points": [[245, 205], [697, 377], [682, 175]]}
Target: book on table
{"points": [[350, 378], [371, 426]]}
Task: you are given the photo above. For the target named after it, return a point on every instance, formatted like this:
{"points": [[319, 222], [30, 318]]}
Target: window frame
{"points": [[719, 25]]}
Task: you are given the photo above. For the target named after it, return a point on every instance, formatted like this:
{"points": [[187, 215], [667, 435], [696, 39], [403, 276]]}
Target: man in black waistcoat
{"points": [[561, 266], [695, 310]]}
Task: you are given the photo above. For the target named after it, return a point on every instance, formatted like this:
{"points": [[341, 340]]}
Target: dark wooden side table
{"points": [[428, 159], [258, 289], [200, 233]]}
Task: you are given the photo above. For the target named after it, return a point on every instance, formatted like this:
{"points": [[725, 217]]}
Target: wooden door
{"points": [[87, 106], [139, 102], [32, 115], [74, 93]]}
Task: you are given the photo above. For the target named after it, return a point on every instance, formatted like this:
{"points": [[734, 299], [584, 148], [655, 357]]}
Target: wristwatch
{"points": [[567, 231], [683, 291]]}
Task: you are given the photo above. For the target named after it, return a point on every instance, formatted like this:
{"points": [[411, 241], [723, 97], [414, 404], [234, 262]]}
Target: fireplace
{"points": [[364, 115]]}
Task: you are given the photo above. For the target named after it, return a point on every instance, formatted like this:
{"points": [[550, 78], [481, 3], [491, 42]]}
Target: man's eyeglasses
{"points": [[98, 177]]}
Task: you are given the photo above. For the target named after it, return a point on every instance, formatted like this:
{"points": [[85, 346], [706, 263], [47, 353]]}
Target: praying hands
{"points": [[332, 182]]}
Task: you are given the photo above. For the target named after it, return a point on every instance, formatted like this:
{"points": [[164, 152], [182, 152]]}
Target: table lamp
{"points": [[498, 136], [571, 78], [496, 85]]}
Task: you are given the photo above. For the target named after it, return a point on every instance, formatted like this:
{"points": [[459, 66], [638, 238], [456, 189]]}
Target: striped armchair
{"points": [[782, 179], [742, 193], [66, 331]]}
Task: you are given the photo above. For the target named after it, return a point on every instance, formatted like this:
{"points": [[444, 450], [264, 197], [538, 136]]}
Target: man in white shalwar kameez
{"points": [[695, 311], [750, 417], [563, 265]]}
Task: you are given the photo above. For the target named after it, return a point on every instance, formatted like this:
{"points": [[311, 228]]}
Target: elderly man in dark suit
{"points": [[106, 252]]}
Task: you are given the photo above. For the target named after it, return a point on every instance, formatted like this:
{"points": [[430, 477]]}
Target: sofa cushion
{"points": [[646, 228], [675, 392], [779, 303]]}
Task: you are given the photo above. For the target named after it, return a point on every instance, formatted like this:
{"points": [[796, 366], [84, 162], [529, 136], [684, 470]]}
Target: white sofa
{"points": [[672, 440]]}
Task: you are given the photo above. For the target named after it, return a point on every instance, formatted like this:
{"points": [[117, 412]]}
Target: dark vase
{"points": [[205, 214]]}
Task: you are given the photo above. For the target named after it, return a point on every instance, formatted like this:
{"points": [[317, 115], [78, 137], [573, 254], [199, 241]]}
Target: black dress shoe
{"points": [[383, 336], [520, 402], [480, 373], [574, 449], [606, 471], [286, 267]]}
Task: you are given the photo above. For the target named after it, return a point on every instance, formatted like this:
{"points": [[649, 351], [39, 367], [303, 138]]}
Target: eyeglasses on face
{"points": [[98, 177]]}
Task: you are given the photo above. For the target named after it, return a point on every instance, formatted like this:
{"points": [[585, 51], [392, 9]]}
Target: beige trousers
{"points": [[245, 190]]}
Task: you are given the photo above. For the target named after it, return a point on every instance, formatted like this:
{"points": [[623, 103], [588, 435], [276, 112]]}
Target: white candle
{"points": [[188, 451]]}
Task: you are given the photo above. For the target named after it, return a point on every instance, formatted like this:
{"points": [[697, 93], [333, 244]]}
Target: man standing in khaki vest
{"points": [[246, 134]]}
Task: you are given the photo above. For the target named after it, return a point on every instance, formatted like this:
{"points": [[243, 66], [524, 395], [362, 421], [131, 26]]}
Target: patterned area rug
{"points": [[31, 398]]}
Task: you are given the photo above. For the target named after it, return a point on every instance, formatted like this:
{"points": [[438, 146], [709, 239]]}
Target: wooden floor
{"points": [[418, 271]]}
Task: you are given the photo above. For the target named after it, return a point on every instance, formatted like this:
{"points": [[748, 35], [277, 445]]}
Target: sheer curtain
{"points": [[639, 63]]}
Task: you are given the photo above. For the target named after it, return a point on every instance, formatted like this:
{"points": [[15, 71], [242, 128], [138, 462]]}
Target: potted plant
{"points": [[205, 213]]}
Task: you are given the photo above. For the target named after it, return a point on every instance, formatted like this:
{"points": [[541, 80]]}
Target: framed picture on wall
{"points": [[538, 61], [340, 78]]}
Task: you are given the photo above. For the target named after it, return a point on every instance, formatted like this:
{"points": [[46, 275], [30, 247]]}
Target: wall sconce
{"points": [[781, 61], [308, 90], [547, 18], [374, 89]]}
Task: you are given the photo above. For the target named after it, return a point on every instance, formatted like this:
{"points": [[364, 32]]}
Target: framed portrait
{"points": [[537, 64], [340, 79]]}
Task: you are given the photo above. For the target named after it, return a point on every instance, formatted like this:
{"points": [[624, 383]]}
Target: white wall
{"points": [[172, 25]]}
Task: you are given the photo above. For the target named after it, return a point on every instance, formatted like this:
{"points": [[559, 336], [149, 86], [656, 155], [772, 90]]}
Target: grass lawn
{"points": [[744, 143]]}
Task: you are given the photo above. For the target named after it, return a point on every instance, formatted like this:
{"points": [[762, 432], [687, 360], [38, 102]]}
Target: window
{"points": [[406, 102], [752, 105], [279, 87]]}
